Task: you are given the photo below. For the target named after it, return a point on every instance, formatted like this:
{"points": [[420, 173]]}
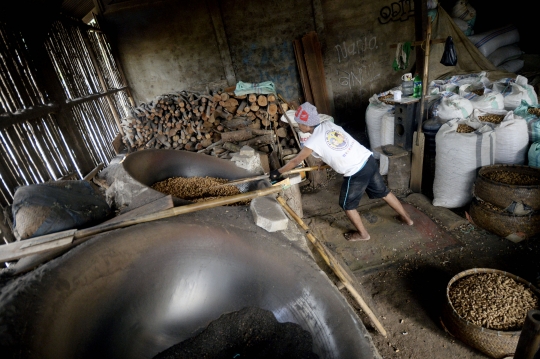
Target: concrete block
{"points": [[268, 214], [250, 163], [247, 151]]}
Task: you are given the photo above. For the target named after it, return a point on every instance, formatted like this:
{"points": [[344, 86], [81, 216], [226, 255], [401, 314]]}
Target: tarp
{"points": [[470, 59]]}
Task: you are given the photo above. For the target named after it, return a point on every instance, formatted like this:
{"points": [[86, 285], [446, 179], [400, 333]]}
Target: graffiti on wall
{"points": [[355, 48], [400, 10]]}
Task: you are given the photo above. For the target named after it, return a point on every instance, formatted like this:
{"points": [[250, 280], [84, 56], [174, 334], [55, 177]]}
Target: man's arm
{"points": [[302, 155]]}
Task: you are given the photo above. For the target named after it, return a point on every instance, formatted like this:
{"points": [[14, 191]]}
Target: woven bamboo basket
{"points": [[503, 223], [494, 343], [503, 195]]}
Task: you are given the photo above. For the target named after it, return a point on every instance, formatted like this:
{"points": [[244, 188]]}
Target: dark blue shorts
{"points": [[367, 180]]}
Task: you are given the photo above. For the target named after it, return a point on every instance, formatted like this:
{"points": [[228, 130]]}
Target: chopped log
{"points": [[241, 106], [256, 124], [271, 97], [206, 142], [231, 147], [265, 123], [281, 132], [289, 151], [259, 140], [254, 107], [224, 96], [252, 98], [190, 146], [236, 136], [272, 108], [257, 132], [219, 112], [237, 123], [262, 100]]}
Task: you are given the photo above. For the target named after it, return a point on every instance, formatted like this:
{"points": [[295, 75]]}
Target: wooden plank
{"points": [[314, 65], [304, 78], [221, 38], [416, 43], [20, 249]]}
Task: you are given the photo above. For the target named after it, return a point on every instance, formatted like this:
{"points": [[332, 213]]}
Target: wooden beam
{"points": [[8, 119], [221, 38], [302, 70], [315, 67], [416, 43]]}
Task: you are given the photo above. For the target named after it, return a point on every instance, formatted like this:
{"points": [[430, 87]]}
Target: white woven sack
{"points": [[512, 140], [505, 53], [457, 159], [489, 41], [489, 100], [387, 138], [374, 114], [463, 10], [512, 65], [454, 106], [534, 155], [512, 98]]}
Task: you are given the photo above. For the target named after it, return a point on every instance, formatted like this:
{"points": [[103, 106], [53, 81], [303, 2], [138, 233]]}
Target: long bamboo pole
{"points": [[336, 266], [80, 236]]}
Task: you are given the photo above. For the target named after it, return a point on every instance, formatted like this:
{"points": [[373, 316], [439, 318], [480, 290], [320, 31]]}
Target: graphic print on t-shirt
{"points": [[336, 140]]}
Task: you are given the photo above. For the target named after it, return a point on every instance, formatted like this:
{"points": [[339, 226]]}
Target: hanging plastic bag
{"points": [[449, 56]]}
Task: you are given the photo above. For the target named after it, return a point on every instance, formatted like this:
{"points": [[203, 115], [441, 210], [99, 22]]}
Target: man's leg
{"points": [[362, 234], [393, 202]]}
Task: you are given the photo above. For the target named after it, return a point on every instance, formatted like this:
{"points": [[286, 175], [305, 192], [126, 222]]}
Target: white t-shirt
{"points": [[337, 148]]}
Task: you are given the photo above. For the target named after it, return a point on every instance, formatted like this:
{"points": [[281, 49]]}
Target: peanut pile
{"points": [[513, 178], [463, 128], [534, 111], [197, 189], [496, 119], [387, 99], [492, 301], [479, 92], [491, 206]]}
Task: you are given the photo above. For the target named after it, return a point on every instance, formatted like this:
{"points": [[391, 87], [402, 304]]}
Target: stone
{"points": [[268, 214], [247, 151]]}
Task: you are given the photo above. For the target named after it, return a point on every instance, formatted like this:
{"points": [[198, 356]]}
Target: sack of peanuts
{"points": [[512, 139], [462, 146], [453, 106], [531, 114], [374, 114], [482, 98], [387, 138], [534, 155], [515, 91]]}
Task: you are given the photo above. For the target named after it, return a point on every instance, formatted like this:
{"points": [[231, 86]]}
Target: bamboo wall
{"points": [[62, 96]]}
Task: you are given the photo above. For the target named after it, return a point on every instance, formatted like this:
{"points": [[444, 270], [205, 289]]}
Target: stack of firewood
{"points": [[217, 124]]}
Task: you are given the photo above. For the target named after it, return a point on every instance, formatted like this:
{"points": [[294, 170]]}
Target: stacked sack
{"points": [[482, 125], [501, 47], [380, 105], [464, 15]]}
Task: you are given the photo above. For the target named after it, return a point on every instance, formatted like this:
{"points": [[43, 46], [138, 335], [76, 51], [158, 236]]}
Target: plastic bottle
{"points": [[417, 86]]}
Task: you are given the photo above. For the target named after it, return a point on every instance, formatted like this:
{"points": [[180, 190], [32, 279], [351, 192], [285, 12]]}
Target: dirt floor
{"points": [[404, 271]]}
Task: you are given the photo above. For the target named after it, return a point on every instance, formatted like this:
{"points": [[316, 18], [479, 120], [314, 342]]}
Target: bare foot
{"points": [[404, 220], [355, 237]]}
